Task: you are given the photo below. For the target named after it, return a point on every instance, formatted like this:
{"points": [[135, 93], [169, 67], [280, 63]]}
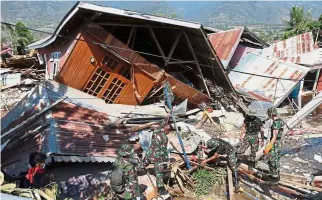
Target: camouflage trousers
{"points": [[158, 169], [232, 161], [274, 157], [132, 190], [253, 142]]}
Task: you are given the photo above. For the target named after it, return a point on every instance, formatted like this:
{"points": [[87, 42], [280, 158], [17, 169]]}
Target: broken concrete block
{"points": [[297, 159], [318, 158]]}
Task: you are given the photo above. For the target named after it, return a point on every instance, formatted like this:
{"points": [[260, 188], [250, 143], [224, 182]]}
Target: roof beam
{"points": [[174, 45], [197, 63], [157, 44], [90, 20], [134, 25], [181, 62], [130, 36]]}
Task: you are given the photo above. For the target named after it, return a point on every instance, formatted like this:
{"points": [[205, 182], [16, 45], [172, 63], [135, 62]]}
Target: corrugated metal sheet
{"points": [[260, 107], [98, 159], [225, 43], [272, 89], [79, 131], [297, 49]]}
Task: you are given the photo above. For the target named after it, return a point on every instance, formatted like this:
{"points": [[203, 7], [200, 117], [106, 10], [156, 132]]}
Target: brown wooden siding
{"points": [[78, 72]]}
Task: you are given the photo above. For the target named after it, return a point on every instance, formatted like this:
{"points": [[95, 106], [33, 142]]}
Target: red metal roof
{"points": [[80, 131], [225, 43]]}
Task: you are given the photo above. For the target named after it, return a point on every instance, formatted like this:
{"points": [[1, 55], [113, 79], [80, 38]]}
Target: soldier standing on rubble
{"points": [[124, 179], [274, 147], [158, 154], [216, 147], [253, 125]]}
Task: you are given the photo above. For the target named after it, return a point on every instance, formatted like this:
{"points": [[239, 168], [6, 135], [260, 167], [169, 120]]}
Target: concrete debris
{"points": [[299, 160], [79, 112], [318, 158]]}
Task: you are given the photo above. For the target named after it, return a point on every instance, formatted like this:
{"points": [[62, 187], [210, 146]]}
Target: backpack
{"points": [[117, 180]]}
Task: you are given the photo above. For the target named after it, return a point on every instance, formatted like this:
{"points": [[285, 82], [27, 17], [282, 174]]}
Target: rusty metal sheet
{"points": [[79, 131], [298, 49], [225, 43], [273, 89]]}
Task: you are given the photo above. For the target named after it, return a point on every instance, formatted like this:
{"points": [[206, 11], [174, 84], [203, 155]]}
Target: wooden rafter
{"points": [[174, 45], [197, 63], [157, 44]]}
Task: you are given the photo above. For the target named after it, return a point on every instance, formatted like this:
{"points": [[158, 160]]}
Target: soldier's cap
{"points": [[212, 143], [125, 150], [252, 113], [271, 111]]}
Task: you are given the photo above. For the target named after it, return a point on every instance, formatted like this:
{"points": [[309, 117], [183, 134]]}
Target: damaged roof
{"points": [[82, 6], [226, 42], [71, 131], [206, 57], [262, 87], [298, 49]]}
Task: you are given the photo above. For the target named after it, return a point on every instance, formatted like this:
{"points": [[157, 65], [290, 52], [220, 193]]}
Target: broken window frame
{"points": [[115, 84]]}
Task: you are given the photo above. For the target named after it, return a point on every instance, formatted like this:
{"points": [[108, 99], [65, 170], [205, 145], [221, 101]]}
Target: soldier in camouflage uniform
{"points": [[132, 190], [274, 148], [158, 154], [221, 147], [253, 126]]}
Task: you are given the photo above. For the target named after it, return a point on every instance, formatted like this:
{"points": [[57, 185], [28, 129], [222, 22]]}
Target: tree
{"points": [[19, 36], [300, 21], [24, 37]]}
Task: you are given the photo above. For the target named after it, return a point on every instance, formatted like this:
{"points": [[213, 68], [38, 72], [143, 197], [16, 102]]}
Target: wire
{"points": [[145, 53]]}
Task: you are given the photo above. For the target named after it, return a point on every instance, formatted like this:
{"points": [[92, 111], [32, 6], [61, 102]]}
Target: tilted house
{"points": [[125, 57]]}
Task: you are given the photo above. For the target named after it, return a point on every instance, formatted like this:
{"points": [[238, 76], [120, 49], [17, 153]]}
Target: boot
{"points": [[163, 193], [273, 180]]}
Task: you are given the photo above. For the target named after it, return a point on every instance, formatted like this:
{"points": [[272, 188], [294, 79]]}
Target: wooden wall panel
{"points": [[143, 84]]}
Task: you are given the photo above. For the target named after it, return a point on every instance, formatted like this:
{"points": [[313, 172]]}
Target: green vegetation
{"points": [[205, 180], [301, 21], [18, 35]]}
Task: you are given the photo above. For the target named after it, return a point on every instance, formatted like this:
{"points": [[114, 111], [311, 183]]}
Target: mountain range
{"points": [[45, 15]]}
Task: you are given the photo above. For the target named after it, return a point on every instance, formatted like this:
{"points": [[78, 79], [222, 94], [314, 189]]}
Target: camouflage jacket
{"points": [[253, 125], [277, 124], [157, 151], [131, 179], [224, 148]]}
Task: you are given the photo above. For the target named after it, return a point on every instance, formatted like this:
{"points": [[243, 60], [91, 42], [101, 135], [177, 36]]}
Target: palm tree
{"points": [[299, 22]]}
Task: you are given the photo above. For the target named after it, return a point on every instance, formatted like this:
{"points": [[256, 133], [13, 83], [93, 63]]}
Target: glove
{"points": [[268, 148]]}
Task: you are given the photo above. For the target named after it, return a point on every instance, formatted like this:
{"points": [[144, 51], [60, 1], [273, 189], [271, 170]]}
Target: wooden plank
{"points": [[230, 184]]}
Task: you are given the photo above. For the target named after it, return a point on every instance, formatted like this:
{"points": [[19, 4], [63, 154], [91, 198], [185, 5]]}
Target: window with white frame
{"points": [[54, 66]]}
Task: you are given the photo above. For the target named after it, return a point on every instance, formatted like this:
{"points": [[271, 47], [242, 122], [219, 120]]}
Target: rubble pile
{"points": [[86, 103]]}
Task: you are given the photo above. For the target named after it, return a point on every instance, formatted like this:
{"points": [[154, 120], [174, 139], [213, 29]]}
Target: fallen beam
{"points": [[230, 184], [33, 117], [278, 188]]}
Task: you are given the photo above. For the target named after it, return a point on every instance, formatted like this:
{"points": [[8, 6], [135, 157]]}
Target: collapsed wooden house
{"points": [[124, 57], [66, 124]]}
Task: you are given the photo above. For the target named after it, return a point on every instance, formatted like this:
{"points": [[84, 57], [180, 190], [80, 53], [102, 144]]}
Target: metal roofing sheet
{"points": [[86, 159], [225, 43], [260, 107], [273, 89], [298, 49], [114, 11]]}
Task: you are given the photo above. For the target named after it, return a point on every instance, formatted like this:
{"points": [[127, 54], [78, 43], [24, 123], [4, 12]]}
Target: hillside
{"points": [[222, 15]]}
